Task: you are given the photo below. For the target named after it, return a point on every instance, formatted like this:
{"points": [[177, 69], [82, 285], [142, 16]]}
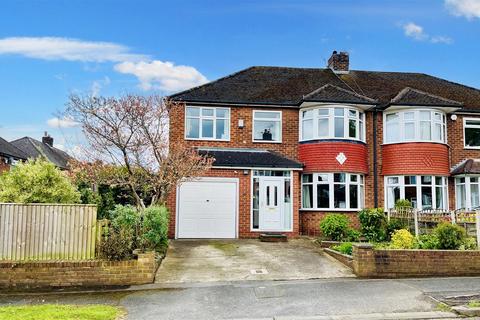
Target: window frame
{"points": [[360, 131], [464, 127], [280, 120], [214, 118], [467, 189], [417, 125], [418, 187], [360, 183]]}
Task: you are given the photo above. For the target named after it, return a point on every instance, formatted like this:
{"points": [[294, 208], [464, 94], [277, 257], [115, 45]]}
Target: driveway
{"points": [[234, 260]]}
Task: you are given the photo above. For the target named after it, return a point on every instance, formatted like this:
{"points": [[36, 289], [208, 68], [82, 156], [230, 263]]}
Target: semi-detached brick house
{"points": [[292, 144]]}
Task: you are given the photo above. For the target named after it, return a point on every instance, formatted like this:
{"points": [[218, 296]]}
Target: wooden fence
{"points": [[47, 231]]}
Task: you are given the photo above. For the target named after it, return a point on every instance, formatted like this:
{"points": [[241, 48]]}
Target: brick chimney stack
{"points": [[47, 139], [339, 62]]}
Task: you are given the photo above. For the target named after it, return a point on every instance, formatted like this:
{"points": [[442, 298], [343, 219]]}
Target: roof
{"points": [[287, 86], [331, 93], [409, 96], [468, 166], [249, 158], [9, 150], [34, 149]]}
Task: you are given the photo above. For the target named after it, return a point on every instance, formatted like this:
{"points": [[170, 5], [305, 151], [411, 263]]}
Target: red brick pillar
{"points": [[363, 260]]}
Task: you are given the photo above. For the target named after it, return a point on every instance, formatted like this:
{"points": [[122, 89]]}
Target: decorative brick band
{"points": [[322, 157], [415, 158], [50, 274], [371, 263]]}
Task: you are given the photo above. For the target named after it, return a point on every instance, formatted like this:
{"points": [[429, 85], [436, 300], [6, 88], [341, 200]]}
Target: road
{"points": [[269, 299]]}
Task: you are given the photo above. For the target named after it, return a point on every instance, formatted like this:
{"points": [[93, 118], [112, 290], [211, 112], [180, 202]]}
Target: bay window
{"points": [[206, 123], [332, 123], [267, 126], [471, 129], [467, 192], [332, 191], [423, 192], [415, 125]]}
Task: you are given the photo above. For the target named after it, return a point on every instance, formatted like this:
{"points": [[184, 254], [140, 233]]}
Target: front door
{"points": [[271, 203]]}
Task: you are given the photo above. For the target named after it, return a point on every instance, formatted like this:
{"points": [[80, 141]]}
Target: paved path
{"points": [[233, 260], [296, 299]]}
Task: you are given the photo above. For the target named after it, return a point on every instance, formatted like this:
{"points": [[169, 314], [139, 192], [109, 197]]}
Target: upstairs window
{"points": [[267, 126], [415, 125], [471, 129], [205, 123], [332, 123]]}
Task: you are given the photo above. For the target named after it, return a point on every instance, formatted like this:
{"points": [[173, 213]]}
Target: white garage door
{"points": [[207, 208]]}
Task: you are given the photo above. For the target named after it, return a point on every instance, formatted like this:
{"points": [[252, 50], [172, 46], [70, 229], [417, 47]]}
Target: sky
{"points": [[51, 49]]}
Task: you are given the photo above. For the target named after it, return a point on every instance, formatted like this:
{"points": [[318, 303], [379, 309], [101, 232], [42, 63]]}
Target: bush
{"points": [[373, 224], [402, 239], [37, 181], [394, 225], [403, 203], [335, 226], [155, 228], [353, 235], [470, 243], [345, 248], [116, 244], [450, 236], [427, 241], [125, 217]]}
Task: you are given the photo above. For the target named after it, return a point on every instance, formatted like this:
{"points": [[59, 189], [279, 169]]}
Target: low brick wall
{"points": [[371, 263], [343, 258], [52, 274]]}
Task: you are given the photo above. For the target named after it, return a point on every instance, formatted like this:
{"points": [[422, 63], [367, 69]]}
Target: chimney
{"points": [[339, 62], [47, 139]]}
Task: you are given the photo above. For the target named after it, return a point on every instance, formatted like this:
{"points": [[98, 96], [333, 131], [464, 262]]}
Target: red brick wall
{"points": [[321, 156], [310, 221], [244, 202], [3, 165], [415, 158]]}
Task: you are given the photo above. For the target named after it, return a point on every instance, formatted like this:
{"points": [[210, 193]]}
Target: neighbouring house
{"points": [[33, 149], [9, 155], [292, 144]]}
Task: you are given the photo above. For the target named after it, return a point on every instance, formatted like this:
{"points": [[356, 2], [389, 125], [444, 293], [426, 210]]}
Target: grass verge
{"points": [[60, 312]]}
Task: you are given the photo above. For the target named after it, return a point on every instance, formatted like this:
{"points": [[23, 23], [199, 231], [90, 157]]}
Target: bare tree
{"points": [[128, 145]]}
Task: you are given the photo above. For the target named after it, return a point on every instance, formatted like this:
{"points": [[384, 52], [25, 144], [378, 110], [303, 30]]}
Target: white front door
{"points": [[271, 203]]}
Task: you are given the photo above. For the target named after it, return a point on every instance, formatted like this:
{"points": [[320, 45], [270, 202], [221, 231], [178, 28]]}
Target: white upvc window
{"points": [[467, 192], [423, 192], [471, 133], [207, 123], [332, 122], [332, 191], [415, 125], [267, 126]]}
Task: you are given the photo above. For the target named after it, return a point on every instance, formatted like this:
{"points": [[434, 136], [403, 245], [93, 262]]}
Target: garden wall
{"points": [[371, 263], [51, 274]]}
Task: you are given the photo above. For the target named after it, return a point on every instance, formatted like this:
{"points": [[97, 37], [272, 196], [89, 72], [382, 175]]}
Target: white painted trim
{"points": [[281, 126], [200, 123], [211, 179], [464, 120], [257, 168]]}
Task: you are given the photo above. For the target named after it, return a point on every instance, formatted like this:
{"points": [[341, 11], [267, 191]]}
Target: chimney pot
{"points": [[47, 139], [339, 62]]}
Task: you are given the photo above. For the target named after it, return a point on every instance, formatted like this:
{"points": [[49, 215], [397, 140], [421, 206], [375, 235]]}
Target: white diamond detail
{"points": [[341, 158]]}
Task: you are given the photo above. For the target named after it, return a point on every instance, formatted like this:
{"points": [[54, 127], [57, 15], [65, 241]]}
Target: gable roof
{"points": [[34, 149], [410, 96], [248, 158], [9, 150], [331, 93], [468, 166], [287, 86]]}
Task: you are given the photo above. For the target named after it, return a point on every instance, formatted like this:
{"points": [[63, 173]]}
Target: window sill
{"points": [[266, 141], [327, 209], [207, 139], [471, 148], [415, 141]]}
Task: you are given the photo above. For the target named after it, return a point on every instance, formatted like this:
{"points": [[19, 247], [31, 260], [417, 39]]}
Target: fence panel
{"points": [[47, 231]]}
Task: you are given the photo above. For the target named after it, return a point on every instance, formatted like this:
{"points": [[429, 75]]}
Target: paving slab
{"points": [[236, 260]]}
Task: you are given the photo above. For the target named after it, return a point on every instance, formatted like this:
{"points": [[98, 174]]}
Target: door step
{"points": [[273, 237]]}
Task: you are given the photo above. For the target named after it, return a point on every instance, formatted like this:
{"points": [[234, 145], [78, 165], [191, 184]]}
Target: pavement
{"points": [[337, 298], [235, 260]]}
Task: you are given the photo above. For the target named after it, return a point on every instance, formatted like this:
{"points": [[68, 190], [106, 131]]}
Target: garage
{"points": [[207, 208]]}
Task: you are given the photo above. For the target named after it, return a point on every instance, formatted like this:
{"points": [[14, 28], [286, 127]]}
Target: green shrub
{"points": [[428, 241], [154, 235], [470, 243], [345, 248], [353, 235], [334, 226], [116, 244], [402, 239], [403, 203], [373, 224], [394, 225], [125, 217], [37, 181], [450, 236]]}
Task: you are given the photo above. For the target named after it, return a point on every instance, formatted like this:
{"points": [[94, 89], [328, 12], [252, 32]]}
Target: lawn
{"points": [[60, 312]]}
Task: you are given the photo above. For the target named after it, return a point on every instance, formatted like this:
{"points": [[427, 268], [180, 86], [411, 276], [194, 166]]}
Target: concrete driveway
{"points": [[234, 260]]}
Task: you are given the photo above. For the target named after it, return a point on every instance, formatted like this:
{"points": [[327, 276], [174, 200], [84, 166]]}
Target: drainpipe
{"points": [[375, 167]]}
